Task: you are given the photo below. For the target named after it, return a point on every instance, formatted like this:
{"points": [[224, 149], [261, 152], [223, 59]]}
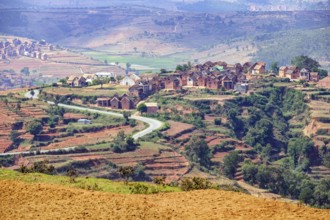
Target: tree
{"points": [[105, 62], [159, 180], [130, 144], [128, 66], [198, 151], [125, 173], [274, 67], [230, 163], [142, 108], [250, 172], [25, 71], [101, 81], [217, 121], [14, 136], [305, 62], [32, 93], [123, 143], [126, 115], [300, 150], [322, 193], [322, 73], [63, 81], [163, 71], [34, 127], [18, 106], [261, 134]]}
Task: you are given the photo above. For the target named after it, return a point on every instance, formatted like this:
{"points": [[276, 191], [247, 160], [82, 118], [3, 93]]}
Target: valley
{"points": [[175, 110]]}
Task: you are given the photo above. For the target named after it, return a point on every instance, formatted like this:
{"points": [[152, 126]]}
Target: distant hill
{"points": [[140, 35], [209, 6]]}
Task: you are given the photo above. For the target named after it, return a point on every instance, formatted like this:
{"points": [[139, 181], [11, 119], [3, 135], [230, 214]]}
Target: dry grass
{"points": [[44, 201], [108, 90]]}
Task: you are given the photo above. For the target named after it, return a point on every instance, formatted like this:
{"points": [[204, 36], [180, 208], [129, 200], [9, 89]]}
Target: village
{"points": [[213, 76], [18, 48]]}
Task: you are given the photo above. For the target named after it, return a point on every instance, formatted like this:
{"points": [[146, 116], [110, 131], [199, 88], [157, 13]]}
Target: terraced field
{"points": [[157, 160]]}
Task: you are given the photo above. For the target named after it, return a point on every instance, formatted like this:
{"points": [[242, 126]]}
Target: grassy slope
{"points": [[104, 185]]}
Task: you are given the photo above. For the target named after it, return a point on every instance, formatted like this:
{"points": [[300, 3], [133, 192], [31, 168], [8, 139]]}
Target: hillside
{"points": [[160, 38], [44, 201]]}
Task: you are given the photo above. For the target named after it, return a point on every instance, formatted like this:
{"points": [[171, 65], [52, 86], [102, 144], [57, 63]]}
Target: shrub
{"points": [[7, 161], [73, 174], [195, 183], [139, 189], [38, 167], [217, 121], [159, 180]]}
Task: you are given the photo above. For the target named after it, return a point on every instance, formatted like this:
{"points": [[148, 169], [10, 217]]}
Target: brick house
{"points": [[79, 82], [282, 71], [152, 108], [70, 80], [172, 83], [115, 103], [126, 103], [136, 91], [213, 83], [293, 73], [103, 102], [202, 80], [227, 82], [184, 79], [258, 68]]}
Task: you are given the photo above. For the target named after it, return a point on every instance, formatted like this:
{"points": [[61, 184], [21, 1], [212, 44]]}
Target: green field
{"points": [[141, 63], [96, 184]]}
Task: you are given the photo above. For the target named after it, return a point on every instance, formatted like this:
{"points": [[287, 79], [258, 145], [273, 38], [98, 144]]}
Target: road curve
{"points": [[153, 123]]}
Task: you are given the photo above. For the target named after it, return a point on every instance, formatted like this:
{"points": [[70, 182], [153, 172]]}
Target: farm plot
{"points": [[178, 128], [82, 139]]}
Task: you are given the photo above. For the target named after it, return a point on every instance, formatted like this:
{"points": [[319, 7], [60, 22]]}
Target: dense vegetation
{"points": [[287, 182], [194, 114], [270, 121], [267, 113]]}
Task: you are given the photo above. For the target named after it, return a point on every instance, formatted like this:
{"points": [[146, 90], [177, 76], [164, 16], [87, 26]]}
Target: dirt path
{"points": [[41, 201]]}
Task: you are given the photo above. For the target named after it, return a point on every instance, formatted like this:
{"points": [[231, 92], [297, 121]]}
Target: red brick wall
{"points": [[126, 103]]}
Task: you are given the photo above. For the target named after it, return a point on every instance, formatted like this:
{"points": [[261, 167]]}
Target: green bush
{"points": [[195, 183]]}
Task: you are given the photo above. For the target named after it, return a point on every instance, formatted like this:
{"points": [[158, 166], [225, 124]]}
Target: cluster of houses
{"points": [[130, 79], [294, 73], [17, 48], [210, 75], [117, 102], [9, 80]]}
